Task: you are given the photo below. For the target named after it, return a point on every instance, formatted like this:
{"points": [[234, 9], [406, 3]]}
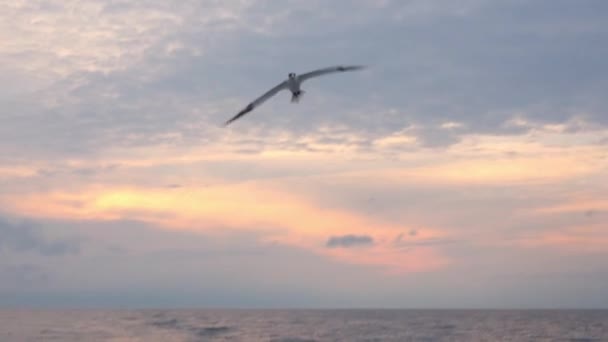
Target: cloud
{"points": [[55, 37], [205, 209], [317, 186], [169, 268], [26, 237], [348, 241], [121, 75], [20, 276], [582, 238], [587, 205], [407, 242]]}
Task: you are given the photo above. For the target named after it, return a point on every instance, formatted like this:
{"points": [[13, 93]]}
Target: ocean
{"points": [[303, 325]]}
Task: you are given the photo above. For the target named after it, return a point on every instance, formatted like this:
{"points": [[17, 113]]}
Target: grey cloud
{"points": [[59, 169], [22, 275], [477, 63], [347, 241], [406, 242], [594, 213], [425, 242], [173, 268], [114, 106], [437, 138], [26, 237]]}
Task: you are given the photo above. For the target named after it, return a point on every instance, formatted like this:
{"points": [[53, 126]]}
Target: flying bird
{"points": [[293, 83]]}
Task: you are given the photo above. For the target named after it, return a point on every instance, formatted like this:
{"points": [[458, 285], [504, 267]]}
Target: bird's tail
{"points": [[295, 98]]}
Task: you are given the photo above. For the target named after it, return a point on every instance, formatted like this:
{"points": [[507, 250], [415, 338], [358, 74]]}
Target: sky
{"points": [[465, 167]]}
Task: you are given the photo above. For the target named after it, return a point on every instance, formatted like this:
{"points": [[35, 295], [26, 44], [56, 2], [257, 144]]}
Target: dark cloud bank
{"points": [[27, 237], [348, 241]]}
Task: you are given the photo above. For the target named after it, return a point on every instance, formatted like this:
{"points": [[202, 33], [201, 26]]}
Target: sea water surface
{"points": [[303, 325]]}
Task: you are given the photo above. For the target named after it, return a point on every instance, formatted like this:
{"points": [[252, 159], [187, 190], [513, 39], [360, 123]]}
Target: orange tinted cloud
{"points": [[577, 205], [292, 218], [16, 171], [417, 259], [478, 171], [280, 216], [591, 238], [501, 170]]}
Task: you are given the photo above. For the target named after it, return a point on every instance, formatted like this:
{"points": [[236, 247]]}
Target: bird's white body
{"points": [[293, 84]]}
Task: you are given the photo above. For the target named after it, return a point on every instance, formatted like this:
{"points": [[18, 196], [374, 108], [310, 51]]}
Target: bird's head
{"points": [[292, 75]]}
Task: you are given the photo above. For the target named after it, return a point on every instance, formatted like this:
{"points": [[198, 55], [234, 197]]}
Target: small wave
{"points": [[168, 323], [210, 331], [206, 331], [445, 327]]}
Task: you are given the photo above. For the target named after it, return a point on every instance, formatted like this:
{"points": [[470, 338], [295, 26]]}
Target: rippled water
{"points": [[303, 325]]}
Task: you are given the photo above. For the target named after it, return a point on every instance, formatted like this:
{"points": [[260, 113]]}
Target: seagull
{"points": [[293, 83]]}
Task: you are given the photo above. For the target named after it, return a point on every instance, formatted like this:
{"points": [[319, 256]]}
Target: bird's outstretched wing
{"points": [[259, 101], [328, 70]]}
